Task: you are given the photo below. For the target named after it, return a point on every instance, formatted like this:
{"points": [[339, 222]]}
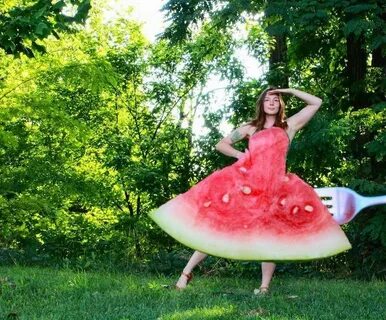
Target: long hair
{"points": [[259, 120]]}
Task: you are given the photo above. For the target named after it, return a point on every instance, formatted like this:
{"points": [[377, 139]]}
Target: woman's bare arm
{"points": [[225, 144], [300, 119]]}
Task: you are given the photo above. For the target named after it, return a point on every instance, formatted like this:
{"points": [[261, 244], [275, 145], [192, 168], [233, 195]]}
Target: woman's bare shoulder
{"points": [[247, 128]]}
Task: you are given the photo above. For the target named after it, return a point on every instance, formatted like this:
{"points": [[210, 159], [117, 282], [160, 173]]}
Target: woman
{"points": [[269, 113]]}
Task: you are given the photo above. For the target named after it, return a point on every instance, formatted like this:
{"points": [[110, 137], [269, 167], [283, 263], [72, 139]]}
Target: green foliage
{"points": [[24, 25], [95, 137], [375, 230], [182, 14]]}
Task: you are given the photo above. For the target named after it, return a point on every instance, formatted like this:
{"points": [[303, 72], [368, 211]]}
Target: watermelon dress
{"points": [[254, 210]]}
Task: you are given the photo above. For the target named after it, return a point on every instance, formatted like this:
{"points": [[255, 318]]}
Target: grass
{"points": [[37, 293]]}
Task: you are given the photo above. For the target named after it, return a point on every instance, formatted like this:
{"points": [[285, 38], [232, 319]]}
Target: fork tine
{"points": [[328, 197], [326, 192], [327, 201]]}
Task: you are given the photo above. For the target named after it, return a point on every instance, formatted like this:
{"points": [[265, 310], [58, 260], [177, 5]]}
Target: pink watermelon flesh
{"points": [[254, 210]]}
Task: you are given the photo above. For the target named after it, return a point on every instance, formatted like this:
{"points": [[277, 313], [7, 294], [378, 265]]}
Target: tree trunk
{"points": [[379, 61], [356, 70], [278, 62], [138, 249]]}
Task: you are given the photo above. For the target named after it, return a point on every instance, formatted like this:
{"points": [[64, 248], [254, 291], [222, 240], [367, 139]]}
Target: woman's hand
{"points": [[284, 90], [245, 157], [300, 119], [240, 155], [309, 99]]}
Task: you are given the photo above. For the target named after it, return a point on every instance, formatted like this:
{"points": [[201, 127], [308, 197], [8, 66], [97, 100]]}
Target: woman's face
{"points": [[271, 103]]}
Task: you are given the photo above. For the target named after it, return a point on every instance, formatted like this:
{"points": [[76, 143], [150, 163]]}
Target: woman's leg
{"points": [[267, 270], [194, 260]]}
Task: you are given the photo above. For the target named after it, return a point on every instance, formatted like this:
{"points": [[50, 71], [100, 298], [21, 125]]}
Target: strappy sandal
{"points": [[261, 291], [189, 277]]}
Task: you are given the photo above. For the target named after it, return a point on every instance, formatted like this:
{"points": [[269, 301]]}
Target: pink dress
{"points": [[253, 209]]}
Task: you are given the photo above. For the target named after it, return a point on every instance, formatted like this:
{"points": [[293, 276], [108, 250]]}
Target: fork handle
{"points": [[373, 201]]}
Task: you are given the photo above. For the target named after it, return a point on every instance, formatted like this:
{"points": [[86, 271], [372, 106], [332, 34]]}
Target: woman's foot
{"points": [[261, 291], [184, 280]]}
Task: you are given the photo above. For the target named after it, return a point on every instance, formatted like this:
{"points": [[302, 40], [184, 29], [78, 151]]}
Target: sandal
{"points": [[189, 277], [261, 291]]}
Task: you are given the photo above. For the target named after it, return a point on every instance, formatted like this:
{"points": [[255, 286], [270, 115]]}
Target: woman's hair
{"points": [[259, 120]]}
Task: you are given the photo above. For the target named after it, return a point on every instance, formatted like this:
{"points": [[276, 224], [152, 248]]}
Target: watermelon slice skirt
{"points": [[254, 210]]}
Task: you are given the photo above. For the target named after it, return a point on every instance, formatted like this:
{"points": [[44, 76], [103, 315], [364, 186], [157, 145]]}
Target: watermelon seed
{"points": [[295, 210], [243, 170], [309, 208], [246, 190], [207, 204], [283, 202], [225, 198]]}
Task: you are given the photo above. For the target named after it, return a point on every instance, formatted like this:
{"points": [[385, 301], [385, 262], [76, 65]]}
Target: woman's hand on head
{"points": [[277, 91]]}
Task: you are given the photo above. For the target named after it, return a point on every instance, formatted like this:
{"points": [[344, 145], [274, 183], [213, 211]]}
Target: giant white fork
{"points": [[344, 204]]}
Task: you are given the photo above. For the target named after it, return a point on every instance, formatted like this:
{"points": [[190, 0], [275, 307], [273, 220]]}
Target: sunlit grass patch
{"points": [[215, 312]]}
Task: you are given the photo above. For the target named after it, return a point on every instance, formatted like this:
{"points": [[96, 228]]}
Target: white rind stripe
{"points": [[180, 224]]}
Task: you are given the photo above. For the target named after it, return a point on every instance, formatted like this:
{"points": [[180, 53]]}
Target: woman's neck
{"points": [[269, 122]]}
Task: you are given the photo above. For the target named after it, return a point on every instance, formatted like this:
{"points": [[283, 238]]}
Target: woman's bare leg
{"points": [[267, 270], [194, 260]]}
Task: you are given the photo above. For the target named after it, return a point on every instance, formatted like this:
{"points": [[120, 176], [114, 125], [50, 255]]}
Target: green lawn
{"points": [[34, 293]]}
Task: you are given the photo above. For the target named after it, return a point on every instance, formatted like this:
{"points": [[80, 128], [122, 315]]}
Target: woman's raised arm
{"points": [[301, 118]]}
